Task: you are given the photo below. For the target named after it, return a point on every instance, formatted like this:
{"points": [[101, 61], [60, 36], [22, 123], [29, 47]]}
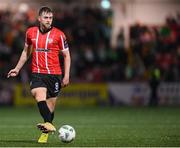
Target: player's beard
{"points": [[46, 26]]}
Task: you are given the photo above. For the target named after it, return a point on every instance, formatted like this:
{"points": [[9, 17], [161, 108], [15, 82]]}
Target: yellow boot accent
{"points": [[43, 138]]}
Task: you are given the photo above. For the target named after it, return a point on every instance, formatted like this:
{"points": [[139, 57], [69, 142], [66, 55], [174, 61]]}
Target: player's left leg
{"points": [[54, 86]]}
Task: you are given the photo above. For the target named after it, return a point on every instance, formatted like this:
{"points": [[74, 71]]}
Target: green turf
{"points": [[103, 126]]}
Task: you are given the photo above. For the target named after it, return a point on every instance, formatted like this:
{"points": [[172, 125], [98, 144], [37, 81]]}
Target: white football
{"points": [[66, 133]]}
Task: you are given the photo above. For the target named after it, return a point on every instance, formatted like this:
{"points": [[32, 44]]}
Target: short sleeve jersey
{"points": [[45, 49]]}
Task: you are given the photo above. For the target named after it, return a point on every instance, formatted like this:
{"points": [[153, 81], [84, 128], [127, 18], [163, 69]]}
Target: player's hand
{"points": [[65, 82], [13, 73]]}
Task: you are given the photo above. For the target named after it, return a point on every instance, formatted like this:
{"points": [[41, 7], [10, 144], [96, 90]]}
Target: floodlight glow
{"points": [[23, 7], [105, 4]]}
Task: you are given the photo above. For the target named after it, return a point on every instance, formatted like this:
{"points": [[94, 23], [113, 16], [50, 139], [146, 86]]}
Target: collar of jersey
{"points": [[43, 32]]}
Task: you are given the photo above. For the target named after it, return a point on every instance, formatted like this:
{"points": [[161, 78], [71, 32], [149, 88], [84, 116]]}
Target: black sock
{"points": [[44, 111], [52, 116]]}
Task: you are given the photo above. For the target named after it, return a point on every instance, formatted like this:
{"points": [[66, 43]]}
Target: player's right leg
{"points": [[48, 126], [39, 92], [40, 96]]}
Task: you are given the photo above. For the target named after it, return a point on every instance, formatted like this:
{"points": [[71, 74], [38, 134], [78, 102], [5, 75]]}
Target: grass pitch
{"points": [[95, 126]]}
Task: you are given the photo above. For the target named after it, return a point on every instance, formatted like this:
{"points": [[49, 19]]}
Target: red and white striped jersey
{"points": [[45, 49]]}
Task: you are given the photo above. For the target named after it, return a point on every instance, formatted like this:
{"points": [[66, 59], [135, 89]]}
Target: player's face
{"points": [[45, 19]]}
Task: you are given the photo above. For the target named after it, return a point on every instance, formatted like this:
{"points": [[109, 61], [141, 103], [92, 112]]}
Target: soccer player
{"points": [[45, 42]]}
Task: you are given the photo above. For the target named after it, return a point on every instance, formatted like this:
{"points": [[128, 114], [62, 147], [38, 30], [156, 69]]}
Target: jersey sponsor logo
{"points": [[42, 50]]}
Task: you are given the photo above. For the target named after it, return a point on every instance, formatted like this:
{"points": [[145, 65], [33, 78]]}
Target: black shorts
{"points": [[49, 81]]}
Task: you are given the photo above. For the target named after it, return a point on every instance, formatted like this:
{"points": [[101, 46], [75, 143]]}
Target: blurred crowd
{"points": [[156, 48], [88, 30]]}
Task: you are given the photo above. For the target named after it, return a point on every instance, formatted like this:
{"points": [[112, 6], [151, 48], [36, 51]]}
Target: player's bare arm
{"points": [[67, 63], [22, 60]]}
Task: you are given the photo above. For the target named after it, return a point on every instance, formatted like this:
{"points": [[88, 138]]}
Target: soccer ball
{"points": [[66, 133]]}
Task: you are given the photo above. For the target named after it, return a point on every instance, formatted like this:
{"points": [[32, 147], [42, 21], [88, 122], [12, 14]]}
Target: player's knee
{"points": [[38, 95]]}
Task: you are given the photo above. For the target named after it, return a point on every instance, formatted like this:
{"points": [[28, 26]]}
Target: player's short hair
{"points": [[45, 9]]}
